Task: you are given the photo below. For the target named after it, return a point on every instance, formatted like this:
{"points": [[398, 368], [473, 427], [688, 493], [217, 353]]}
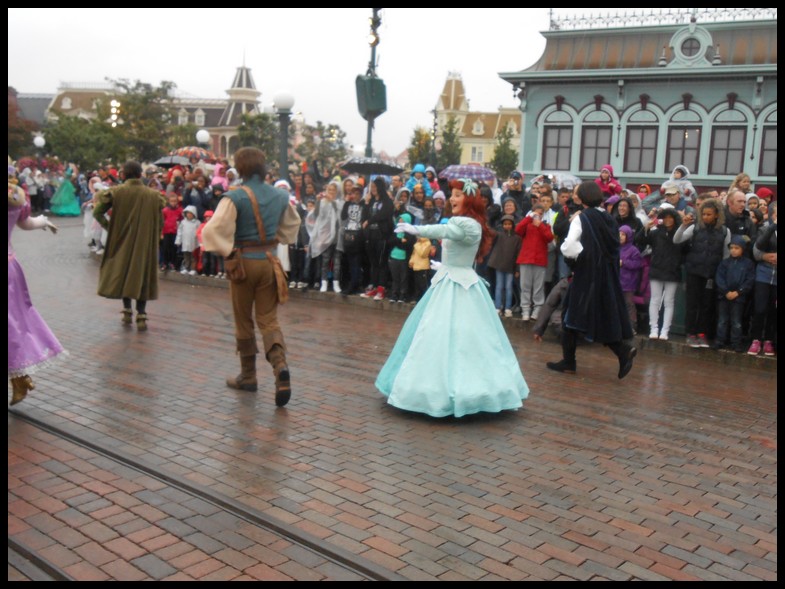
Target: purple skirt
{"points": [[31, 344]]}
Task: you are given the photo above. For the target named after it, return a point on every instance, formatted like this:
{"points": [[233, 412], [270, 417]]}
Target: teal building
{"points": [[646, 92]]}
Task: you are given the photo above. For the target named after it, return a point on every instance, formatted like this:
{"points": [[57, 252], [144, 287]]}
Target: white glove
{"points": [[407, 228], [39, 222], [435, 265]]}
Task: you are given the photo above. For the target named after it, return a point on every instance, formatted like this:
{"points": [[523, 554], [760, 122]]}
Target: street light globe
{"points": [[39, 141], [202, 136], [283, 102]]}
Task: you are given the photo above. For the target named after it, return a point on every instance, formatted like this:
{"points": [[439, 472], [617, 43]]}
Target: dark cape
{"points": [[594, 304]]}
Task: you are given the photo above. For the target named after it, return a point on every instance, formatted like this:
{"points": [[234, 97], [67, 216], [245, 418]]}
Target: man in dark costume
{"points": [[594, 303]]}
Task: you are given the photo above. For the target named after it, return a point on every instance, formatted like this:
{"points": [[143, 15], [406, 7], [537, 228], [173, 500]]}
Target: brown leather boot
{"points": [[21, 384], [283, 385], [127, 317], [246, 380], [141, 321]]}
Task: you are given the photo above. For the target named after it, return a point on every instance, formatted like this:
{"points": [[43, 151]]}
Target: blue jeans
{"points": [[729, 312], [504, 285]]}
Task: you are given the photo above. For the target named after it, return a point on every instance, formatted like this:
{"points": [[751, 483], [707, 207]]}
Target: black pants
{"points": [[700, 305], [378, 254], [569, 342]]}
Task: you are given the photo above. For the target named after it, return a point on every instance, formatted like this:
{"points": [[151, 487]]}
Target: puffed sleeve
{"points": [[288, 226], [218, 233]]}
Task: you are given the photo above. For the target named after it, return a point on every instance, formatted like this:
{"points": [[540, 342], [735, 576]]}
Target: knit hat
{"points": [[765, 193], [740, 240], [438, 194], [282, 184], [208, 214], [508, 218]]}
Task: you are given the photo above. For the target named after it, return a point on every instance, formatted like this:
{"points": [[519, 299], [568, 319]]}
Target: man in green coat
{"points": [[129, 269]]}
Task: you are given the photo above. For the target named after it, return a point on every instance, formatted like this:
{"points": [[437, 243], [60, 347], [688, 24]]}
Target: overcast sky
{"points": [[314, 54]]}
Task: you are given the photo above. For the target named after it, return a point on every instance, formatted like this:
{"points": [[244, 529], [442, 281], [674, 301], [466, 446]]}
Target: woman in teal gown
{"points": [[453, 356], [64, 202]]}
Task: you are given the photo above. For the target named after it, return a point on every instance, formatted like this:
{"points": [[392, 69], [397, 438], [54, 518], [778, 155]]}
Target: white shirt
{"points": [[572, 248]]}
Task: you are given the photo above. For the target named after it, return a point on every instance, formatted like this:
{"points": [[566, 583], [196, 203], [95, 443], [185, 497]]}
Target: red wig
{"points": [[474, 208]]}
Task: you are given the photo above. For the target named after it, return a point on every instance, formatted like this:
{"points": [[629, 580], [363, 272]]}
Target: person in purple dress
{"points": [[31, 344]]}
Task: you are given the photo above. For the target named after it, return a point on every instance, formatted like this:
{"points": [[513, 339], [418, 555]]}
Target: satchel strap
{"points": [[259, 225]]}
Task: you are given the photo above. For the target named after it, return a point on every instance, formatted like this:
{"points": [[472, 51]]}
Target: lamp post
{"points": [[433, 137], [115, 117], [283, 103], [373, 41], [203, 137], [39, 143]]}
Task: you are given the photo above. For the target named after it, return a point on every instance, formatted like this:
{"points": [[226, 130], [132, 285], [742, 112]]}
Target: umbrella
{"points": [[169, 161], [559, 179], [194, 151], [471, 171], [370, 165]]}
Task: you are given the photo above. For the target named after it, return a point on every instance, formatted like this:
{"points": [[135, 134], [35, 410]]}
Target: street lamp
{"points": [[283, 103], [39, 141], [115, 117], [203, 137]]}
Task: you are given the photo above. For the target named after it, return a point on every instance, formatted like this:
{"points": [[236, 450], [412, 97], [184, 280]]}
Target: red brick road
{"points": [[668, 474]]}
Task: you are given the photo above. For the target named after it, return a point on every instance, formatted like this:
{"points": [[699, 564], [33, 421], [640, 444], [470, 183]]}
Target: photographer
{"points": [[196, 194]]}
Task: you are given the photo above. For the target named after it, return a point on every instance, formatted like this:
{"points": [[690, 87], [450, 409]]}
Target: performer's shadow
{"points": [[501, 417]]}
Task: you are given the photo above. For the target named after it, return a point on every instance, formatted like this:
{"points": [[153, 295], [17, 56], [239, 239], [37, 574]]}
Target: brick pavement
{"points": [[668, 474]]}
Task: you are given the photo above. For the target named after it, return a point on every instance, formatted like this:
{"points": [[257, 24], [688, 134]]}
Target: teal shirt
{"points": [[272, 204], [397, 253]]}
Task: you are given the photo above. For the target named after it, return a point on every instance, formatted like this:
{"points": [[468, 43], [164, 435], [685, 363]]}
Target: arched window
{"points": [[199, 117], [182, 117], [640, 147], [684, 140], [728, 142], [557, 141], [596, 136], [65, 103]]}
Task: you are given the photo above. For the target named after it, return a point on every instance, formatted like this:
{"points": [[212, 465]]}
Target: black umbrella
{"points": [[371, 165], [170, 161]]}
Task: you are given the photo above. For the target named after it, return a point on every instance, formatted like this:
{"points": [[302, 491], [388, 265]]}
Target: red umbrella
{"points": [[194, 151]]}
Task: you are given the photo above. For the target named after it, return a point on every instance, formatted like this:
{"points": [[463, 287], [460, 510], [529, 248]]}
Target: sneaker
{"points": [[379, 294], [717, 345], [183, 271], [768, 348], [702, 341], [99, 252], [301, 285], [192, 273], [293, 284], [654, 334], [754, 348], [534, 316], [508, 312], [693, 342], [739, 349], [664, 337], [370, 293], [526, 317], [561, 366]]}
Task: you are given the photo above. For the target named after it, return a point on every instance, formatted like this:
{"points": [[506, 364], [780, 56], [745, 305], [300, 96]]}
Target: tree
{"points": [[261, 131], [181, 136], [145, 115], [420, 147], [20, 139], [89, 144], [323, 144], [450, 152], [505, 157], [142, 130]]}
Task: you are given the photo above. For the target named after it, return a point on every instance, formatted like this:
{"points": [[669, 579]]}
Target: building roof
{"points": [[33, 106], [453, 96], [737, 44]]}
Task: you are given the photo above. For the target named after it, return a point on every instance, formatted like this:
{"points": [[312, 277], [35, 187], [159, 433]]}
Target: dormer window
{"points": [[478, 128], [65, 103]]}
